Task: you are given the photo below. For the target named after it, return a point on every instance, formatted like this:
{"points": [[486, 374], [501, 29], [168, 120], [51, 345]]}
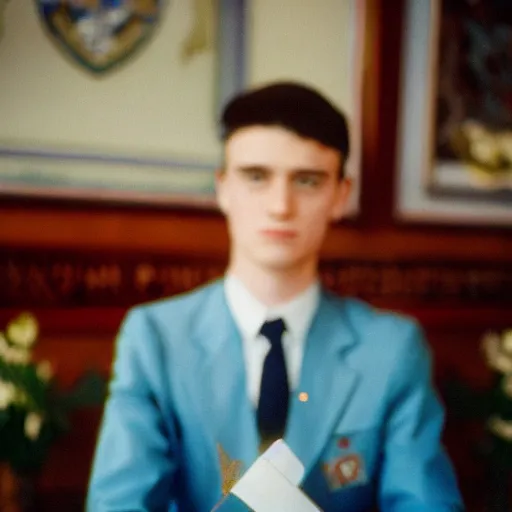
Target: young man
{"points": [[202, 382]]}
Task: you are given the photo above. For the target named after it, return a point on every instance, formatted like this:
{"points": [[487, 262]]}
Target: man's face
{"points": [[279, 193]]}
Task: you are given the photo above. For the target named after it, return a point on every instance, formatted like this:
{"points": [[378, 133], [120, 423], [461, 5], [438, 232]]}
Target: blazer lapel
{"points": [[229, 416], [326, 383]]}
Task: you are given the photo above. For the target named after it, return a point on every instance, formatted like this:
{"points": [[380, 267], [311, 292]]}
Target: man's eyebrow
{"points": [[308, 170], [297, 170], [252, 167]]}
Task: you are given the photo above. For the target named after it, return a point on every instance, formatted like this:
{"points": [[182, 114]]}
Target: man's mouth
{"points": [[279, 234]]}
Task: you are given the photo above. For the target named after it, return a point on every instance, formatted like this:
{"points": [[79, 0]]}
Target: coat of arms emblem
{"points": [[100, 34]]}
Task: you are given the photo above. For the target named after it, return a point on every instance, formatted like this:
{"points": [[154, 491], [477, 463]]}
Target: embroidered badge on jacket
{"points": [[344, 471]]}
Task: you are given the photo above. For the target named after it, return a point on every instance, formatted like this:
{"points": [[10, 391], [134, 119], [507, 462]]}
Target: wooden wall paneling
{"points": [[380, 99], [51, 278]]}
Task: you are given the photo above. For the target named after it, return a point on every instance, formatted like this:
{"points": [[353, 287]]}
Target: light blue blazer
{"points": [[364, 420]]}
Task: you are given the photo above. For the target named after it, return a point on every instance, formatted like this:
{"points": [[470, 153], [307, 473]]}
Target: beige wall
{"points": [[157, 104]]}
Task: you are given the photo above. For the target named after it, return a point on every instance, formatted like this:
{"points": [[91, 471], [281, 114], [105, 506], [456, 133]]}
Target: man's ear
{"points": [[341, 200], [220, 189]]}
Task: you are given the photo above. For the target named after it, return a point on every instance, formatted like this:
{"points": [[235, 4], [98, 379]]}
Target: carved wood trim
{"points": [[80, 279]]}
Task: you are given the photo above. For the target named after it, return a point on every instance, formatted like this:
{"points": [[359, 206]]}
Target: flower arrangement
{"points": [[498, 354], [492, 406], [34, 412]]}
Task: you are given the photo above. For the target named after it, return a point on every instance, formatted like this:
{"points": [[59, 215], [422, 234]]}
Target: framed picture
{"points": [[145, 131], [455, 120]]}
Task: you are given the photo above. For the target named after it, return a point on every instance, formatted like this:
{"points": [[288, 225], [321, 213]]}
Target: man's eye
{"points": [[308, 180], [255, 175]]}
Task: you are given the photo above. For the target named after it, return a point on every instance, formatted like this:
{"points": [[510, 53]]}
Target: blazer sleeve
{"points": [[417, 475], [135, 459]]}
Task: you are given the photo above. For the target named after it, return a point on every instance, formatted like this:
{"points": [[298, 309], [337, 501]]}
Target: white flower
{"points": [[506, 341], [501, 428], [12, 354], [3, 346], [33, 423], [44, 370], [7, 394], [23, 330], [498, 353], [18, 356], [491, 348], [503, 364]]}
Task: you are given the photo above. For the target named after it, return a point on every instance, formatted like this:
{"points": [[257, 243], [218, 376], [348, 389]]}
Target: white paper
{"points": [[264, 487]]}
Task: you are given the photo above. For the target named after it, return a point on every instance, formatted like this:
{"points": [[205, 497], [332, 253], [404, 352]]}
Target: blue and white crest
{"points": [[100, 34]]}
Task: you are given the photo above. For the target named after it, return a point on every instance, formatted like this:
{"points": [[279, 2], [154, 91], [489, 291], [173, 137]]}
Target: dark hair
{"points": [[294, 106]]}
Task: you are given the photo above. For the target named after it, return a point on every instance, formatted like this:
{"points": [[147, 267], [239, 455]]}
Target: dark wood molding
{"points": [[83, 279]]}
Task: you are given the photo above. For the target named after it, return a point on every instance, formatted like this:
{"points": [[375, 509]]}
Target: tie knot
{"points": [[273, 330]]}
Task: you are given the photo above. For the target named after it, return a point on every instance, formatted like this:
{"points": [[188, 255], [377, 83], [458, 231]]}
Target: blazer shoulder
{"points": [[179, 303], [361, 311], [372, 325], [170, 312]]}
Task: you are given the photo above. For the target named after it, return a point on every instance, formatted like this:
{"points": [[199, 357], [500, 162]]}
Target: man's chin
{"points": [[279, 263]]}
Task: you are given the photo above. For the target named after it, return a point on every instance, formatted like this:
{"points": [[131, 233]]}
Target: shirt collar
{"points": [[250, 314]]}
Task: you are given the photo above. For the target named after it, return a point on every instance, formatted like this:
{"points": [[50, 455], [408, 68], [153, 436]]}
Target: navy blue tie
{"points": [[274, 391]]}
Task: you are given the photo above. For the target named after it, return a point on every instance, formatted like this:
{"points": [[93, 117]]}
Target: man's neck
{"points": [[274, 286]]}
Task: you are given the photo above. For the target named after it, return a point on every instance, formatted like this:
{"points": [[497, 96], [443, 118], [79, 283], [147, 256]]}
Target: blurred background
{"points": [[108, 143]]}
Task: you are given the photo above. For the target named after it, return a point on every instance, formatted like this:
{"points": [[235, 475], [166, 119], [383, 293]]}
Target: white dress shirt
{"points": [[250, 314]]}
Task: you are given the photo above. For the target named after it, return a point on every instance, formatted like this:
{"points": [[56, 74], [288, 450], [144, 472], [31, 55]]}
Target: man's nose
{"points": [[281, 200]]}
